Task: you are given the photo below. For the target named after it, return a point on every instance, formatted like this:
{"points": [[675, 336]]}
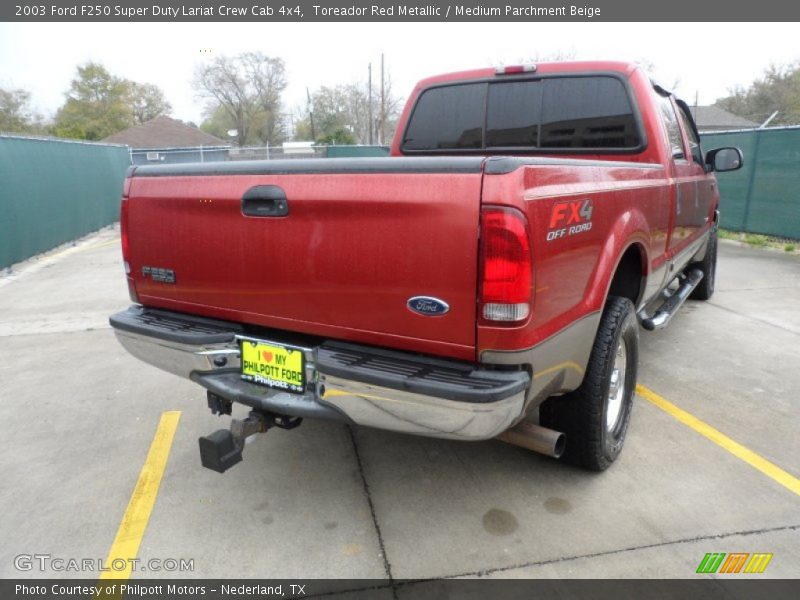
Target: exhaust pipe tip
{"points": [[533, 436], [560, 445]]}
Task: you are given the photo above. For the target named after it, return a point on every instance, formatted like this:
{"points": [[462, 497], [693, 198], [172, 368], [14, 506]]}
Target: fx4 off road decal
{"points": [[569, 218]]}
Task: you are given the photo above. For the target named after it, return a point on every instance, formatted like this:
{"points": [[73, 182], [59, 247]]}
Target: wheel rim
{"points": [[616, 390]]}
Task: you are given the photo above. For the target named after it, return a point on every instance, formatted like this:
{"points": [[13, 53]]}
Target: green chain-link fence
{"points": [[356, 151], [764, 195], [54, 191]]}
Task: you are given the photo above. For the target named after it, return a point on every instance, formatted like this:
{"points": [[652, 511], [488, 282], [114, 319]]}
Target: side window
{"points": [[694, 141], [587, 112], [673, 129]]}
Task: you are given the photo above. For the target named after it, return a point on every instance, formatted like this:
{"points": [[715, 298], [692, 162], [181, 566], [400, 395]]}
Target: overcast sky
{"points": [[707, 59]]}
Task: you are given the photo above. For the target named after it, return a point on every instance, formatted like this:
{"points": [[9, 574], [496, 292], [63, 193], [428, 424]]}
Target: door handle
{"points": [[265, 201]]}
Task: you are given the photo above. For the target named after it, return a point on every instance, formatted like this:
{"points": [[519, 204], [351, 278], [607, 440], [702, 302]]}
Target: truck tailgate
{"points": [[361, 237]]}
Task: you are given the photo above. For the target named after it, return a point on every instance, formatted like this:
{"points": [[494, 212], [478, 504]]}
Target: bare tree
{"points": [[776, 91], [248, 89], [388, 112], [552, 56], [341, 114], [147, 101], [223, 81], [268, 78], [657, 75]]}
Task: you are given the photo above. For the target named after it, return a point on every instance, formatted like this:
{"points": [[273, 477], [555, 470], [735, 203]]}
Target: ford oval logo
{"points": [[427, 306]]}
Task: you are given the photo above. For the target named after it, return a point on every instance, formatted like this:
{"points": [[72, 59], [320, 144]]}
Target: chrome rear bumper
{"points": [[399, 392]]}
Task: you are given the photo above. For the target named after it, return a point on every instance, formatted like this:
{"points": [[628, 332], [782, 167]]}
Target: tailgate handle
{"points": [[265, 201]]}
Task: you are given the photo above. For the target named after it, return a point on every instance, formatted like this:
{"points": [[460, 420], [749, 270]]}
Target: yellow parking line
{"points": [[769, 469], [134, 522], [103, 244], [75, 249]]}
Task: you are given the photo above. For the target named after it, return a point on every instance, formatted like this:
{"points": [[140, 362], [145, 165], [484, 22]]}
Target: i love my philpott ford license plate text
{"points": [[273, 365]]}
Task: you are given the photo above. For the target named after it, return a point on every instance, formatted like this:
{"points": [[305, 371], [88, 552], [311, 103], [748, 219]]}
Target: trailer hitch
{"points": [[222, 449]]}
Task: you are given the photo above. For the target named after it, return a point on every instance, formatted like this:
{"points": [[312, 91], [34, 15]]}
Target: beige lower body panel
{"points": [[558, 363]]}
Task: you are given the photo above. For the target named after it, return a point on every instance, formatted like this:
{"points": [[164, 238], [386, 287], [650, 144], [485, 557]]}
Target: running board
{"points": [[672, 303]]}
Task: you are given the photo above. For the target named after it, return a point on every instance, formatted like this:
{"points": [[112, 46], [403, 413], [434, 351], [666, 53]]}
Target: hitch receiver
{"points": [[218, 451], [222, 449]]}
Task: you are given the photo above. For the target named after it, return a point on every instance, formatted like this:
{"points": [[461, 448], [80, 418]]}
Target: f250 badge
{"points": [[159, 275], [569, 218]]}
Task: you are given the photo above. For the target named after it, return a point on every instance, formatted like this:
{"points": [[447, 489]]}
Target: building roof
{"points": [[164, 132], [713, 117]]}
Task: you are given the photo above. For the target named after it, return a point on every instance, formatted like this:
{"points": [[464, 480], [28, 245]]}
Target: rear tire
{"points": [[705, 289], [595, 417]]}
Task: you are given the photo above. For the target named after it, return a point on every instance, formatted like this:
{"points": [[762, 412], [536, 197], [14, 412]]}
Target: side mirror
{"points": [[724, 159]]}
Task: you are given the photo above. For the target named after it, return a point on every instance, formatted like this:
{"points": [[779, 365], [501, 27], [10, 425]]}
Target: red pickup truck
{"points": [[487, 279]]}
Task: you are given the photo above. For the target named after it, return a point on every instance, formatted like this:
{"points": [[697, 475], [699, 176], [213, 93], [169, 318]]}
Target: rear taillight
{"points": [[123, 234], [124, 242], [506, 266]]}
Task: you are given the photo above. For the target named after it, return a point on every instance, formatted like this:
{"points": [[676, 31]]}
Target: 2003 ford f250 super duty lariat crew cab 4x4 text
{"points": [[486, 280]]}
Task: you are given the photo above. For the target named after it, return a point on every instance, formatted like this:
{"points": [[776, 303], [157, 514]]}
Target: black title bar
{"points": [[408, 11], [367, 589]]}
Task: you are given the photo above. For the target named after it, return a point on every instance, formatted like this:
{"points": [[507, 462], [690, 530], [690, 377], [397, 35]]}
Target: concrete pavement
{"points": [[323, 500]]}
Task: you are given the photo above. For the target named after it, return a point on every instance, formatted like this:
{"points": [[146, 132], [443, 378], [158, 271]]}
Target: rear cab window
{"points": [[556, 113], [448, 118]]}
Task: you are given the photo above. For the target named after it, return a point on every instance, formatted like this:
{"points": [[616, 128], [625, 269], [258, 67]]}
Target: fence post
{"points": [[751, 182]]}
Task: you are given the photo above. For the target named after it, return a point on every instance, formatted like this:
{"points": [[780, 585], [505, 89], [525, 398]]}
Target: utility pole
{"points": [[382, 118], [311, 116], [369, 102]]}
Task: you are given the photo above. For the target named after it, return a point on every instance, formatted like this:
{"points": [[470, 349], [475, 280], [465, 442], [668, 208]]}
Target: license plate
{"points": [[274, 365]]}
